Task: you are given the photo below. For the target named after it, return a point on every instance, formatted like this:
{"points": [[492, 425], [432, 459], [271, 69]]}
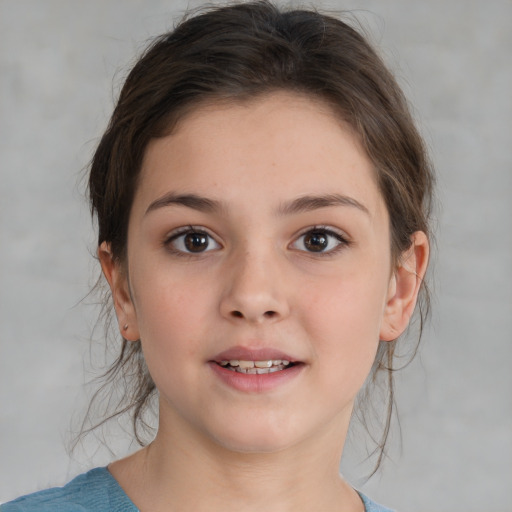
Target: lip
{"points": [[255, 383], [252, 354]]}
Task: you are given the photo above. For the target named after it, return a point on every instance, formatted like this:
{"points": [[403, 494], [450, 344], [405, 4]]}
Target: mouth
{"points": [[256, 367], [256, 370]]}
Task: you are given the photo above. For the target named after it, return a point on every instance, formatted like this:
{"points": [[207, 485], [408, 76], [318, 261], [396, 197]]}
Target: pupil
{"points": [[196, 242], [316, 242]]}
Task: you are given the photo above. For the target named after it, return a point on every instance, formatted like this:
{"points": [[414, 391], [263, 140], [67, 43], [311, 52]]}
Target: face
{"points": [[258, 276]]}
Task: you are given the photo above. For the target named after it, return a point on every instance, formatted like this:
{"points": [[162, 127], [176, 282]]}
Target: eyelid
{"points": [[189, 228], [184, 230], [343, 239], [324, 227]]}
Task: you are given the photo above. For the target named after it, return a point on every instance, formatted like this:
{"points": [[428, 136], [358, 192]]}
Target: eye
{"points": [[191, 241], [320, 240]]}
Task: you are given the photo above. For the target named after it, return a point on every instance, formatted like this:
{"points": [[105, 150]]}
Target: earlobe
{"points": [[404, 287], [118, 282]]}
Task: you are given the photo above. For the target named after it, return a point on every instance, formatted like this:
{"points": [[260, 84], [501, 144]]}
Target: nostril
{"points": [[267, 314]]}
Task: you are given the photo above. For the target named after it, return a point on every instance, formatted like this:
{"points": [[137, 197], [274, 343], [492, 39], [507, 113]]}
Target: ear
{"points": [[404, 287], [117, 279]]}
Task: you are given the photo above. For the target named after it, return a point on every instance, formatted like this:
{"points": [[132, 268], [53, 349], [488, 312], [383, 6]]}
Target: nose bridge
{"points": [[254, 288]]}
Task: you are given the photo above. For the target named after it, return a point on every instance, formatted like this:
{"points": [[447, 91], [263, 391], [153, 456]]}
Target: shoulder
{"points": [[95, 491], [371, 506]]}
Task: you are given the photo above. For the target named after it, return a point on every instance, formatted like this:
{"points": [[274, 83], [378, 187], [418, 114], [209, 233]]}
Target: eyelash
{"points": [[342, 240], [186, 230], [322, 230]]}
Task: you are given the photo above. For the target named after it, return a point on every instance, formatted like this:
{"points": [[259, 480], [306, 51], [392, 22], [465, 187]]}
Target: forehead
{"points": [[281, 144]]}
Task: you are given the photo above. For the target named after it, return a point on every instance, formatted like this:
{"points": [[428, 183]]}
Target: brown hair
{"points": [[238, 52]]}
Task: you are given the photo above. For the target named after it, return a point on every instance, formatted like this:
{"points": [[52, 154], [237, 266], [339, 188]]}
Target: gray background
{"points": [[57, 63]]}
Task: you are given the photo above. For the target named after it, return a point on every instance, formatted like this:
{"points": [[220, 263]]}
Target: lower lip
{"points": [[255, 383]]}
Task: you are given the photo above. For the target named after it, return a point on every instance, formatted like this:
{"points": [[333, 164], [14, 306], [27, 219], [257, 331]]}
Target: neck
{"points": [[196, 474]]}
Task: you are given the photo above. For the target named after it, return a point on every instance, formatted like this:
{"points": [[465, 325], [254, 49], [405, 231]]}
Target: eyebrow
{"points": [[309, 203], [202, 204], [300, 205]]}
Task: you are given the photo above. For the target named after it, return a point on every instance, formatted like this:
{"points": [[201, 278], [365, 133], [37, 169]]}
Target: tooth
{"points": [[255, 367], [246, 364], [263, 364]]}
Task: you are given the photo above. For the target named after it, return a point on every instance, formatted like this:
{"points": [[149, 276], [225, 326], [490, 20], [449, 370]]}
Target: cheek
{"points": [[170, 340], [344, 313], [344, 326], [170, 312]]}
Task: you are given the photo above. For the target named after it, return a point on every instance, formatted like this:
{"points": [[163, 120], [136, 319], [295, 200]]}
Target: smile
{"points": [[255, 367]]}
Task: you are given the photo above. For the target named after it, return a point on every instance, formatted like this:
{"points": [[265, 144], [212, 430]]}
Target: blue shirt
{"points": [[97, 491]]}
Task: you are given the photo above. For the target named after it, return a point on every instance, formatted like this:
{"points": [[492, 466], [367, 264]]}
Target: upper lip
{"points": [[252, 354]]}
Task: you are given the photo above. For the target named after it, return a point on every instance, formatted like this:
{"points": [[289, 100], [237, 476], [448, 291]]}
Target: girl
{"points": [[262, 199]]}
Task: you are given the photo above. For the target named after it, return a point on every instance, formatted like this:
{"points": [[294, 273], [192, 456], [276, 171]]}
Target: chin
{"points": [[257, 437]]}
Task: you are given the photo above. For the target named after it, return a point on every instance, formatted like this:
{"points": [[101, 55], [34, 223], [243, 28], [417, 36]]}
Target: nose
{"points": [[254, 291]]}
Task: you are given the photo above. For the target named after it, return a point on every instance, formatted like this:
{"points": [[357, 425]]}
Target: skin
{"points": [[258, 285]]}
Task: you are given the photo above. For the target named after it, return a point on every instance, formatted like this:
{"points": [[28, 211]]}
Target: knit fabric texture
{"points": [[97, 491]]}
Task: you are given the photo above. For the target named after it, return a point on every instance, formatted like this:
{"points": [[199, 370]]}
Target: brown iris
{"points": [[196, 242], [316, 241]]}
